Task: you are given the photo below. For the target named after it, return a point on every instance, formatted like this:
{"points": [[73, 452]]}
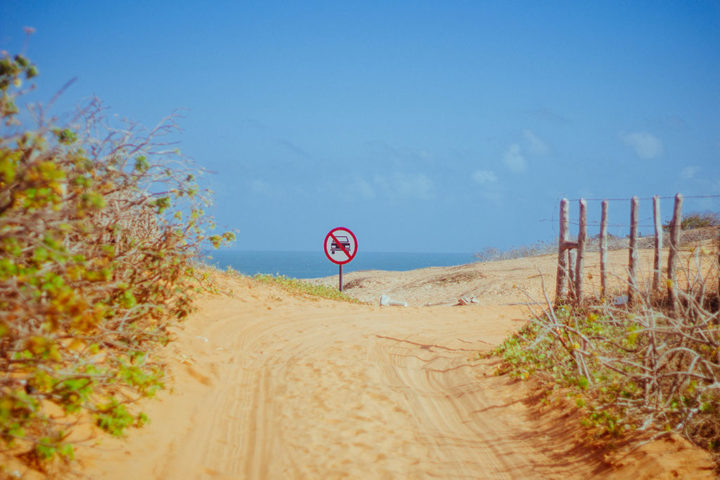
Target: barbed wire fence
{"points": [[572, 251], [691, 204], [658, 347]]}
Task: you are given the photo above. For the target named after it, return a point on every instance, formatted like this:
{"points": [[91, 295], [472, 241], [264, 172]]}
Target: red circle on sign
{"points": [[338, 244]]}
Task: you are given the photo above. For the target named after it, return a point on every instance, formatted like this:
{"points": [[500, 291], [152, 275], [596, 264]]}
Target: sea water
{"points": [[316, 264]]}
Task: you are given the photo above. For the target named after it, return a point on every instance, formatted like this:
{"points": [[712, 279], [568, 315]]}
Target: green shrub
{"points": [[98, 227]]}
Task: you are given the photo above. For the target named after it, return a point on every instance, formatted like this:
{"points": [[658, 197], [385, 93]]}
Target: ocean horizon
{"points": [[316, 264]]}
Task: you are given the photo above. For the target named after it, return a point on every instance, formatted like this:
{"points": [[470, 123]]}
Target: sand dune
{"points": [[268, 385]]}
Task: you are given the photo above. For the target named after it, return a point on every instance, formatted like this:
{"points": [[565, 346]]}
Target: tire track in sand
{"points": [[319, 389]]}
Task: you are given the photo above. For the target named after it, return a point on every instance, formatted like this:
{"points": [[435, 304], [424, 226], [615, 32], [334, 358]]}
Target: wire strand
{"points": [[661, 197]]}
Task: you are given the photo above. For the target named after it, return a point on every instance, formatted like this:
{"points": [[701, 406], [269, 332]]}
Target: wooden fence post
{"points": [[582, 237], [674, 245], [603, 249], [572, 265], [632, 267], [718, 242], [561, 278], [657, 269]]}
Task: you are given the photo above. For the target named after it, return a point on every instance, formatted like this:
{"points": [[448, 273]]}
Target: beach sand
{"points": [[268, 385], [505, 282]]}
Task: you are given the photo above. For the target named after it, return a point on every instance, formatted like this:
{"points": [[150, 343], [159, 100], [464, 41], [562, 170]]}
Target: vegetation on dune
{"points": [[98, 226], [698, 220], [301, 287], [646, 367]]}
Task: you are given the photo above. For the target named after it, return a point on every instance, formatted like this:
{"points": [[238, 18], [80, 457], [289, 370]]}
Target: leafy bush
{"points": [[98, 226]]}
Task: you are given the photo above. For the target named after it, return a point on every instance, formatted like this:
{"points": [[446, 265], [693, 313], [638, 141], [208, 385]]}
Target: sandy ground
{"points": [[270, 385], [506, 282]]}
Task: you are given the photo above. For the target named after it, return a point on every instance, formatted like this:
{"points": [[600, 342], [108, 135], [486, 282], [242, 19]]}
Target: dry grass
{"points": [[652, 366]]}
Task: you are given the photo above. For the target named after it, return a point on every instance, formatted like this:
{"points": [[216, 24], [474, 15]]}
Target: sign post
{"points": [[340, 248]]}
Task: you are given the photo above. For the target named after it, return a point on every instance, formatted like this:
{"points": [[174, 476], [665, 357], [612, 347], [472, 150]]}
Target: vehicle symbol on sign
{"points": [[340, 245], [344, 241]]}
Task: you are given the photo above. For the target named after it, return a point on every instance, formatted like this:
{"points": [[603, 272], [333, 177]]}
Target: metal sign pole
{"points": [[340, 248]]}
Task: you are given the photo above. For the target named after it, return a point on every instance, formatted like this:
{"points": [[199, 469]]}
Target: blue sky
{"points": [[422, 126]]}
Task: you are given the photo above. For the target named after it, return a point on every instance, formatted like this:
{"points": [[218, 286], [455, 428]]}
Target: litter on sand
{"points": [[386, 301], [467, 300]]}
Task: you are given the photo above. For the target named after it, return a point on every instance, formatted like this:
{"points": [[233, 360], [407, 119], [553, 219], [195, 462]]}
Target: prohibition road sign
{"points": [[340, 245]]}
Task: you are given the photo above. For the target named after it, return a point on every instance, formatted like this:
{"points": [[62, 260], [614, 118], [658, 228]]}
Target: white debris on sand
{"points": [[386, 301], [467, 300]]}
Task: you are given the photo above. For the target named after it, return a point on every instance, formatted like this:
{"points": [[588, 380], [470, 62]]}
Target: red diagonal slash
{"points": [[342, 247]]}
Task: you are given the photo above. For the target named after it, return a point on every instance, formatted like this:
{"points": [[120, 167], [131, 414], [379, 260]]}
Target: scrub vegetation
{"points": [[98, 229], [650, 367], [300, 287]]}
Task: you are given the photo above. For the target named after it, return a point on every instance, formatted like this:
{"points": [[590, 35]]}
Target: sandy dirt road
{"points": [[269, 385], [323, 389]]}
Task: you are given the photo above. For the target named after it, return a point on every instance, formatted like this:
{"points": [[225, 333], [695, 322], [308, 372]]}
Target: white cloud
{"points": [[484, 177], [645, 144], [490, 189], [407, 185], [689, 172], [514, 159], [536, 145]]}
